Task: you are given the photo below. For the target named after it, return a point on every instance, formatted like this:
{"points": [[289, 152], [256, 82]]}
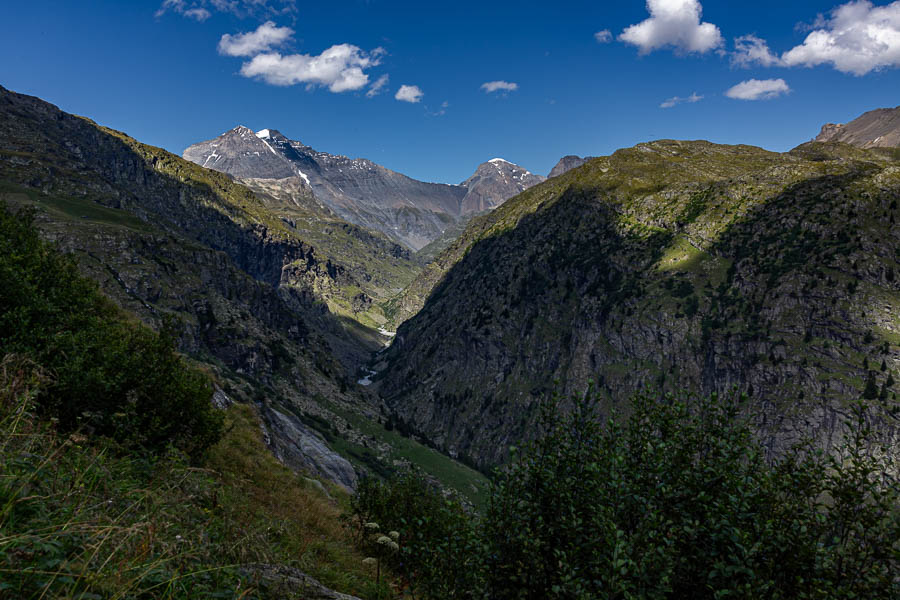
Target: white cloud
{"points": [[340, 68], [201, 10], [603, 37], [377, 87], [199, 14], [750, 50], [756, 89], [409, 93], [499, 86], [266, 37], [857, 38], [676, 24], [674, 100]]}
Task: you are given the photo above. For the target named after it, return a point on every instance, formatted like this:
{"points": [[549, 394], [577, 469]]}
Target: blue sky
{"points": [[565, 78]]}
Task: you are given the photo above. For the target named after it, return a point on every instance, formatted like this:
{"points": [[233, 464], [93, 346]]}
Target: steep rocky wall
{"points": [[675, 266]]}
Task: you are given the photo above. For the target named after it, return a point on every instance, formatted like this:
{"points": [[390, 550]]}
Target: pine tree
{"points": [[871, 391]]}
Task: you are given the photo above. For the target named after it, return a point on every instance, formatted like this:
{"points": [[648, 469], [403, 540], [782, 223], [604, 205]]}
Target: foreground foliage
{"points": [[81, 518], [111, 376], [677, 501]]}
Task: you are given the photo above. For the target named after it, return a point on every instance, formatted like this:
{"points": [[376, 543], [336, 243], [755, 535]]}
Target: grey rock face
{"points": [[493, 183], [411, 212], [875, 129], [567, 163], [300, 447], [290, 582], [241, 153]]}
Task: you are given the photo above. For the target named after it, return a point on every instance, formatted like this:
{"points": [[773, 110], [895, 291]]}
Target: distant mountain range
{"points": [[875, 129], [411, 212]]}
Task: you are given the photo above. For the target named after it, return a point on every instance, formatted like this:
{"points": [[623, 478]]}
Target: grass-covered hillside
{"points": [[676, 265], [119, 478]]}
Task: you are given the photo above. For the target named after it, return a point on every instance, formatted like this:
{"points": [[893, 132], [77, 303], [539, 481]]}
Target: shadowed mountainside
{"points": [[676, 265]]}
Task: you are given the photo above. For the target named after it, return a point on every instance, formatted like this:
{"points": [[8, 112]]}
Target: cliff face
{"points": [[674, 265]]}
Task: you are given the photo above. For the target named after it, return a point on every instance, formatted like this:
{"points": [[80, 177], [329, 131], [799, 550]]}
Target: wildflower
{"points": [[395, 535], [370, 561], [383, 540], [373, 526]]}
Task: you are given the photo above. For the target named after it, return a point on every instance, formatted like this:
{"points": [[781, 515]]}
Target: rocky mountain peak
{"points": [[494, 182], [240, 152], [567, 163], [879, 128]]}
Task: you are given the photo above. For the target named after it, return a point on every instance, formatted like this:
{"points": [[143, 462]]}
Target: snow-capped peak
{"points": [[264, 133], [499, 160]]}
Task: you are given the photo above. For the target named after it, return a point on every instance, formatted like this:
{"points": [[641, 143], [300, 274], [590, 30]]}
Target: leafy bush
{"points": [[679, 500], [110, 376], [438, 554]]}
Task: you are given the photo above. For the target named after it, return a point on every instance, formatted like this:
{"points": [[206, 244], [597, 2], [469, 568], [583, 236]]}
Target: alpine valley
{"points": [[361, 323]]}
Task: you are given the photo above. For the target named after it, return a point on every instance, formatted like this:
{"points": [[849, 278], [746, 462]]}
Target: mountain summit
{"points": [[878, 128], [413, 213], [494, 182]]}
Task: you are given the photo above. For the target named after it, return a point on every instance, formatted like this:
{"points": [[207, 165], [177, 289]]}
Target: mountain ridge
{"points": [[679, 265], [879, 128], [411, 212]]}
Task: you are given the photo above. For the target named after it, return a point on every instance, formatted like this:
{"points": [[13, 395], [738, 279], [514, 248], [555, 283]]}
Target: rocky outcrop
{"points": [[674, 266], [290, 582], [875, 129], [301, 447], [567, 163]]}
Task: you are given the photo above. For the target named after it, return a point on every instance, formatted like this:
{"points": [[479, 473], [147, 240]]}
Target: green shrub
{"points": [[439, 555], [109, 376], [679, 500]]}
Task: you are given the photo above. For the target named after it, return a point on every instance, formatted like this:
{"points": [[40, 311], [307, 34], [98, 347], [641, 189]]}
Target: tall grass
{"points": [[80, 518]]}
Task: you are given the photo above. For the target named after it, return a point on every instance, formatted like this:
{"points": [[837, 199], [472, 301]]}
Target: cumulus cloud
{"points": [[756, 89], [377, 87], [857, 38], [750, 50], [340, 68], [266, 37], [603, 37], [409, 93], [675, 100], [499, 86], [675, 24], [202, 9]]}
